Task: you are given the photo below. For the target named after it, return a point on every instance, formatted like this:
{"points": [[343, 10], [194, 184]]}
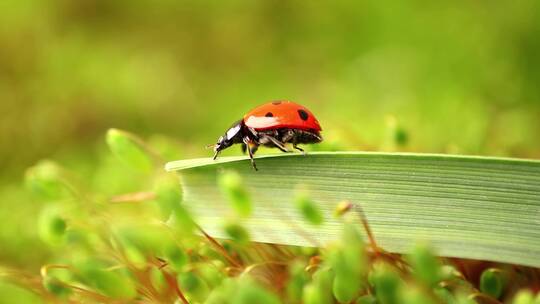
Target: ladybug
{"points": [[272, 125]]}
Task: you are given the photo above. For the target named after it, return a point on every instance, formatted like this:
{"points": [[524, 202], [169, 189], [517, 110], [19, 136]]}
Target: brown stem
{"points": [[220, 248], [133, 197], [45, 268], [364, 221], [171, 280]]}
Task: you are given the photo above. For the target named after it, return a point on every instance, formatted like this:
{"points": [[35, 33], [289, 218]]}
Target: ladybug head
{"points": [[232, 136]]}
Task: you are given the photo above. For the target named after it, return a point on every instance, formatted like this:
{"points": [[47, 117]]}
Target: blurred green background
{"points": [[442, 76]]}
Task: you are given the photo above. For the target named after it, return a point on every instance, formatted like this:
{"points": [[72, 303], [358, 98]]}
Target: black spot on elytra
{"points": [[276, 102], [269, 114], [303, 114]]}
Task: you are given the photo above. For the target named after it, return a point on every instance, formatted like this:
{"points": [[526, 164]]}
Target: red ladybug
{"points": [[272, 125]]}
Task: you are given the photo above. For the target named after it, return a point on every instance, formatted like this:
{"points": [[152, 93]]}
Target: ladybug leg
{"points": [[246, 143], [252, 160], [253, 148], [288, 136], [276, 142], [299, 149]]}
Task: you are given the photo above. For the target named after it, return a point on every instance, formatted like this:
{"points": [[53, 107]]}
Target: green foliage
{"points": [[129, 149], [233, 188], [396, 135], [525, 297], [12, 294], [194, 286], [158, 280], [298, 278], [116, 284], [415, 296], [176, 257], [349, 265], [492, 282], [426, 267], [366, 299], [242, 290], [181, 221], [56, 287], [168, 195], [386, 283], [319, 291], [444, 294], [237, 233], [312, 295], [222, 293], [449, 272], [212, 273], [345, 289], [51, 226], [308, 208], [121, 249], [249, 292], [147, 239], [48, 181]]}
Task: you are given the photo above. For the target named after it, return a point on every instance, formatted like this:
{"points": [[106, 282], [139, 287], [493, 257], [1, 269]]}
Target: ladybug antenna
{"points": [[210, 146]]}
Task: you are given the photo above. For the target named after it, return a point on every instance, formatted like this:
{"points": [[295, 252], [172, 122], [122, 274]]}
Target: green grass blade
{"points": [[468, 207]]}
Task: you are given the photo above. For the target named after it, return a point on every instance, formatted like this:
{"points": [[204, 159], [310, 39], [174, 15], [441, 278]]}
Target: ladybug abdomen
{"points": [[281, 114]]}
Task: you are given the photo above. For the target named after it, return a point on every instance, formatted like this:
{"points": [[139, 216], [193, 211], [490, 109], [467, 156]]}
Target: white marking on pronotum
{"points": [[233, 131]]}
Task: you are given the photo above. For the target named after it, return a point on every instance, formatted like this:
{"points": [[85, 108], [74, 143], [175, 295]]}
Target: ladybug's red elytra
{"points": [[272, 125]]}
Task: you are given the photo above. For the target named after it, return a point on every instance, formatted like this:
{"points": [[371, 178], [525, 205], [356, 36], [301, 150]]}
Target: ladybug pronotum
{"points": [[272, 125]]}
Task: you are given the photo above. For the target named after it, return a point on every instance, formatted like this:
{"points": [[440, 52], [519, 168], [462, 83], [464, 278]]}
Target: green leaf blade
{"points": [[470, 207]]}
